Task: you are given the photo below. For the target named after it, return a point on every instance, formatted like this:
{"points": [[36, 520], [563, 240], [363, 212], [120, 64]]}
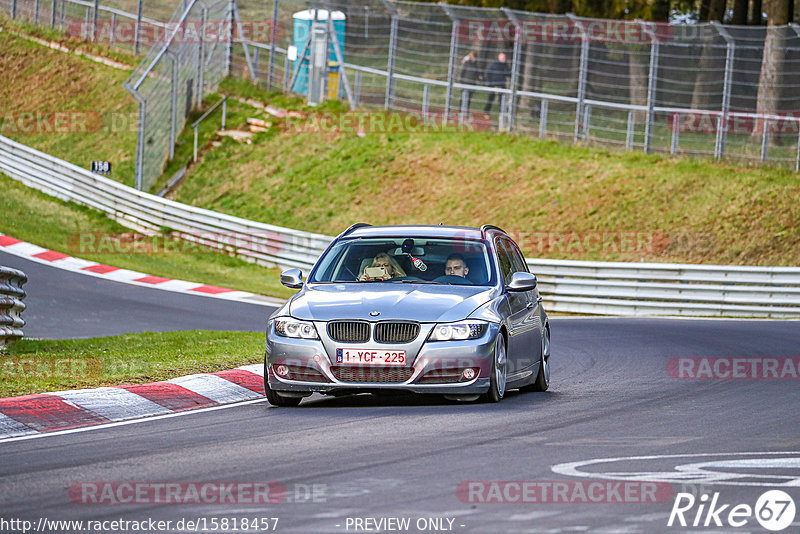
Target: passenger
{"points": [[456, 266], [382, 259]]}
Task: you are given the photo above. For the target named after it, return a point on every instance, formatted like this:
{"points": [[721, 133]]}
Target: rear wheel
{"points": [[275, 398], [497, 381]]}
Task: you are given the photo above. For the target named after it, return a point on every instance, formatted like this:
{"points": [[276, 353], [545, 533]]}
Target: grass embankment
{"points": [[66, 105], [561, 201], [48, 222], [35, 366]]}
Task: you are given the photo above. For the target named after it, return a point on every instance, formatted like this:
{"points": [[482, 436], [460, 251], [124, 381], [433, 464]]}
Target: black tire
{"points": [[542, 381], [277, 399], [497, 380]]}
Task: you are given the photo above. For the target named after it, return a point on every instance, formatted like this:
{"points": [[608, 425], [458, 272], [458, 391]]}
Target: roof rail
{"points": [[487, 227], [353, 227]]}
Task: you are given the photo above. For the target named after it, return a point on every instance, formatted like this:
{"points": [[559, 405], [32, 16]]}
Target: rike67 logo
{"points": [[774, 510]]}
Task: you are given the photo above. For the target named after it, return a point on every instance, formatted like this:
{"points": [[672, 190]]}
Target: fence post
{"points": [[629, 131], [229, 41], [652, 80], [137, 39], [512, 108], [273, 38], [113, 29], [582, 74], [357, 89], [13, 9], [722, 123], [139, 163], [173, 119], [53, 14], [543, 118], [246, 48], [426, 98], [201, 56], [36, 12], [390, 61], [339, 55], [451, 65], [765, 140], [676, 131], [94, 20]]}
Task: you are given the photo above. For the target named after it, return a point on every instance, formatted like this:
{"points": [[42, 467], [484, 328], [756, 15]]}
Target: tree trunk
{"points": [[755, 13], [638, 71], [706, 75], [740, 12], [769, 81]]}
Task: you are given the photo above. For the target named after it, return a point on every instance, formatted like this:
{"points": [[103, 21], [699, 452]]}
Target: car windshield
{"points": [[406, 260]]}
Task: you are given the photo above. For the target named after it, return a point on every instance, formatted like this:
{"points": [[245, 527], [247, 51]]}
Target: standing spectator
{"points": [[469, 75], [497, 76]]}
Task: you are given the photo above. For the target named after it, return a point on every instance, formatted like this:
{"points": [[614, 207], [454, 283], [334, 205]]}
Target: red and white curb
{"points": [[63, 261], [64, 410]]}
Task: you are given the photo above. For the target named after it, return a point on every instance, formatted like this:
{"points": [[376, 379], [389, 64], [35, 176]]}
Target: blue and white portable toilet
{"points": [[303, 24]]}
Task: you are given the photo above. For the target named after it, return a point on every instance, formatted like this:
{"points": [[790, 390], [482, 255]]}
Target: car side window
{"points": [[517, 261], [505, 260]]}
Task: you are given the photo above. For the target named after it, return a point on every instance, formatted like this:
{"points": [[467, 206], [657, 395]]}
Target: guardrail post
{"points": [[391, 56], [137, 38], [722, 122], [451, 65], [273, 37], [582, 74], [512, 110], [652, 81]]}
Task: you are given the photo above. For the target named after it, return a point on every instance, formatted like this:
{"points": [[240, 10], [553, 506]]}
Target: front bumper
{"points": [[424, 359]]}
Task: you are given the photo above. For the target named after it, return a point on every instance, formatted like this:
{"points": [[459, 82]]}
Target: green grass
{"points": [[103, 115], [58, 225], [698, 210], [36, 366]]}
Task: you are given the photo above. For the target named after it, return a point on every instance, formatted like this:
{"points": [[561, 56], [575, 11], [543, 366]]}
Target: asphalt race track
{"points": [[62, 304], [343, 461]]}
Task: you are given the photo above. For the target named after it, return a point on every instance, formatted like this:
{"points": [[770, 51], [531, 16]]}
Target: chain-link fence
{"points": [[703, 89]]}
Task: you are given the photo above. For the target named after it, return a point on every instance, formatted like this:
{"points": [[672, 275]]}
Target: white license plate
{"points": [[345, 356]]}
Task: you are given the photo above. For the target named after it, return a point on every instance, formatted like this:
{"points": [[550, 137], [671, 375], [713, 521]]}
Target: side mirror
{"points": [[522, 282], [292, 278]]}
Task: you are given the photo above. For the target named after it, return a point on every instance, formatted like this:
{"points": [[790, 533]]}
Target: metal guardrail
{"points": [[605, 288], [11, 305]]}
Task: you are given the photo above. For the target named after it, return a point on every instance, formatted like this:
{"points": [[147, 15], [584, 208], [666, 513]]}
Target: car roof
{"points": [[462, 232]]}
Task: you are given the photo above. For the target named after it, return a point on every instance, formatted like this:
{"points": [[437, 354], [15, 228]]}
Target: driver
{"points": [[382, 259], [456, 266]]}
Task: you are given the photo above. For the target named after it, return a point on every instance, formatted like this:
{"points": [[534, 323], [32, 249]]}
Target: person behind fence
{"points": [[389, 265], [469, 75], [496, 76]]}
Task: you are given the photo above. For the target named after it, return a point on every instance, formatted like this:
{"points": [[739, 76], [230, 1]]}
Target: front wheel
{"points": [[497, 380], [276, 399]]}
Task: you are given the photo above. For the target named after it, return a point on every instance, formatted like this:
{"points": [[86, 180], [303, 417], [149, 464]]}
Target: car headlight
{"points": [[290, 327], [458, 331]]}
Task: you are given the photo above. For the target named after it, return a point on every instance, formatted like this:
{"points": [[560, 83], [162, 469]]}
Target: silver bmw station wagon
{"points": [[426, 309]]}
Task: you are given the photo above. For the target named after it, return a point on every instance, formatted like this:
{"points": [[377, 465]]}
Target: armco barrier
{"points": [[604, 288], [11, 305]]}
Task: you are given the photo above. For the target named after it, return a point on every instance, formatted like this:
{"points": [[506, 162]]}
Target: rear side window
{"points": [[505, 259]]}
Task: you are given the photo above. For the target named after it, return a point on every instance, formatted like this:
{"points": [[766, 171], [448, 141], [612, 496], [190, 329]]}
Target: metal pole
{"points": [[139, 164], [137, 38], [36, 12], [85, 35], [194, 157], [451, 66], [113, 29], [512, 115], [765, 141], [651, 86], [582, 74], [357, 90], [94, 22], [244, 42], [224, 111], [63, 8], [14, 9], [273, 38], [390, 64], [53, 15], [543, 118], [722, 122], [339, 55], [255, 59], [797, 158], [426, 98], [201, 55], [286, 73], [229, 44], [587, 118], [174, 105]]}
